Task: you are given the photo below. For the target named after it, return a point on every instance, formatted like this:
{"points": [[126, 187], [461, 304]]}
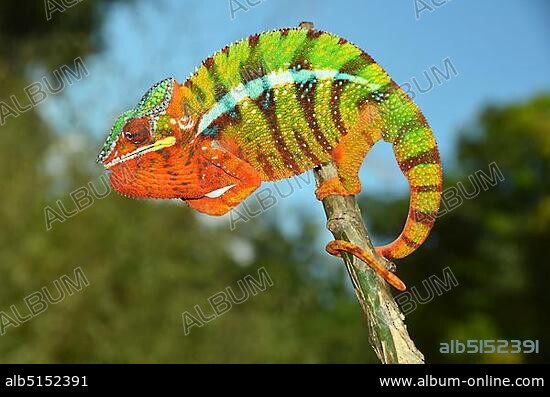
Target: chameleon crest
{"points": [[136, 130], [273, 106]]}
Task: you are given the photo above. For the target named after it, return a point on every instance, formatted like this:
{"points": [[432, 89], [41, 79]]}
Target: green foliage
{"points": [[146, 262]]}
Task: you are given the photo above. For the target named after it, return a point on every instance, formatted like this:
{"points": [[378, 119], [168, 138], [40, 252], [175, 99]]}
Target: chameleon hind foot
{"points": [[331, 187], [336, 248]]}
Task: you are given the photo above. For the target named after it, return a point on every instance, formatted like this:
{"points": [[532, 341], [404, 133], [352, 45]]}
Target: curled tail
{"points": [[388, 113], [416, 152]]}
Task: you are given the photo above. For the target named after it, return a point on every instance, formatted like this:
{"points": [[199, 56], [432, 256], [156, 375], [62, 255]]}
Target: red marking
{"points": [[266, 166], [273, 124], [306, 97], [426, 218], [429, 157], [188, 83], [335, 97], [313, 34], [426, 189], [367, 57], [253, 40], [410, 242], [305, 148], [353, 65], [209, 63]]}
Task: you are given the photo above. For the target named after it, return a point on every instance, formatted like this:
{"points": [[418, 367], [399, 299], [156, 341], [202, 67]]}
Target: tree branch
{"points": [[388, 332]]}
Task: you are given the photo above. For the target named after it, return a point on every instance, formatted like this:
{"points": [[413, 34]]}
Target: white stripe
{"points": [[326, 74], [276, 79], [239, 94], [209, 117]]}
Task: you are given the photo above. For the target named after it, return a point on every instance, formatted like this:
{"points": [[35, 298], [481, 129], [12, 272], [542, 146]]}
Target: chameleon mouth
{"points": [[160, 144]]}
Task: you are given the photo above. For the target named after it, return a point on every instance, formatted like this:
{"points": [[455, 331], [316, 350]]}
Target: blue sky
{"points": [[500, 49]]}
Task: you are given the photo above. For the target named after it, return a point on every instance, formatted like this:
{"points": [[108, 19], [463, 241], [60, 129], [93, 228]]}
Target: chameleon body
{"points": [[273, 106]]}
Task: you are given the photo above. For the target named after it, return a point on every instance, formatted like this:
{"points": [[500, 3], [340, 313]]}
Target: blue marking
{"points": [[302, 76], [265, 83], [255, 88], [211, 130], [227, 102], [267, 89], [266, 101]]}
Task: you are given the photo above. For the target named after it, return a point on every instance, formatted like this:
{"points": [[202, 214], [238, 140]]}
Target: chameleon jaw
{"points": [[160, 144]]}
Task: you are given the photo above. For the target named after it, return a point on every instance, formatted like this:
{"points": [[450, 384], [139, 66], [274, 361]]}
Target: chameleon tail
{"points": [[417, 155]]}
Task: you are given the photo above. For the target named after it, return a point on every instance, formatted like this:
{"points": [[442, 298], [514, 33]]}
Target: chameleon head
{"points": [[142, 151]]}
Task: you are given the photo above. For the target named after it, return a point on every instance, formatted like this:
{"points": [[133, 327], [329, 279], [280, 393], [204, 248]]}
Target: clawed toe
{"points": [[336, 247]]}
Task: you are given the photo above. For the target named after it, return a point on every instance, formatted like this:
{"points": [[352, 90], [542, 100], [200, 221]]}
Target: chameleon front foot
{"points": [[336, 248], [331, 187]]}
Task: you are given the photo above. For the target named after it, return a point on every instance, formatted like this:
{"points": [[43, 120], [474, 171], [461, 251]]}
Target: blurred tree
{"points": [[146, 263], [27, 36]]}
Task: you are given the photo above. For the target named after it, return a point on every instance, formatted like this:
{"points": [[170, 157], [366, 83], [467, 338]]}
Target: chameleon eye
{"points": [[137, 131]]}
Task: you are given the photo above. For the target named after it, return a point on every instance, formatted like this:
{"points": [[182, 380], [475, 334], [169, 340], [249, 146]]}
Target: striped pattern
{"points": [[254, 88], [416, 152], [285, 85], [287, 97]]}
